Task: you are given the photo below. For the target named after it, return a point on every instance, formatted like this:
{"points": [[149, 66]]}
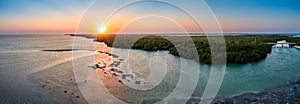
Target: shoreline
{"points": [[117, 92], [241, 49], [202, 45], [248, 97], [59, 84], [288, 93]]}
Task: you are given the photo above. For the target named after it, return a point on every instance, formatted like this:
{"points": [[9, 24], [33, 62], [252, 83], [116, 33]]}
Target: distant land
{"points": [[200, 34], [240, 47]]}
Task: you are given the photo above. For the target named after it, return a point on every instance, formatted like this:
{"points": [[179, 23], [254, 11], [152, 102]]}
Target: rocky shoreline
{"points": [[112, 68], [286, 94]]}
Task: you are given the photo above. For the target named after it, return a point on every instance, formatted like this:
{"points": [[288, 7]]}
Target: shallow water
{"points": [[280, 66], [22, 55]]}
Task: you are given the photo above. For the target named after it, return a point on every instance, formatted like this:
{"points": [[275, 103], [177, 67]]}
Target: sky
{"points": [[88, 16]]}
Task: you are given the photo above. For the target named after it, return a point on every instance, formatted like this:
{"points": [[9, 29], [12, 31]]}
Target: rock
{"points": [[115, 63], [121, 82], [298, 82], [124, 76], [113, 69], [115, 74], [117, 70], [137, 82]]}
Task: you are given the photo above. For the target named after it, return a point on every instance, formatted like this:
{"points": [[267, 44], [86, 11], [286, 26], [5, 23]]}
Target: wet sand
{"points": [[110, 81], [22, 62], [45, 73], [59, 82]]}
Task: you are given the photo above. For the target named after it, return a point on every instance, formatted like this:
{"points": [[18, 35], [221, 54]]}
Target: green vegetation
{"points": [[239, 49]]}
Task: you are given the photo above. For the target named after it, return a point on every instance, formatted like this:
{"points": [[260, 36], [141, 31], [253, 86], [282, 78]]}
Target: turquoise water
{"points": [[280, 66]]}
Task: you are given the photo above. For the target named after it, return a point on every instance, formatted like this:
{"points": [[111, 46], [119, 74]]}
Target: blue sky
{"points": [[62, 16], [284, 14]]}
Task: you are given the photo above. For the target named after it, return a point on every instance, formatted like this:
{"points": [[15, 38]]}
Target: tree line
{"points": [[239, 49]]}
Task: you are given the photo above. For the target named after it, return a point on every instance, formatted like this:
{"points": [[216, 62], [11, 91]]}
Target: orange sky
{"points": [[53, 16]]}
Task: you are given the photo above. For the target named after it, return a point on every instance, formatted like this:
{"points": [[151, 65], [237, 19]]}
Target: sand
{"points": [[38, 69], [59, 82]]}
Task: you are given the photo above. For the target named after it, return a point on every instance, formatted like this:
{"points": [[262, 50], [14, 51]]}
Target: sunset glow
{"points": [[64, 16], [101, 29]]}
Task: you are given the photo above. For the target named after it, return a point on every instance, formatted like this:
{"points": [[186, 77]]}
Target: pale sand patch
{"points": [[59, 82]]}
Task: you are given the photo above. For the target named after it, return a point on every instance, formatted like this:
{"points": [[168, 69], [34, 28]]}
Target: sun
{"points": [[101, 29]]}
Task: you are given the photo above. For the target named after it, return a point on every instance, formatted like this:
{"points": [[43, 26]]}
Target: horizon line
{"points": [[153, 33]]}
